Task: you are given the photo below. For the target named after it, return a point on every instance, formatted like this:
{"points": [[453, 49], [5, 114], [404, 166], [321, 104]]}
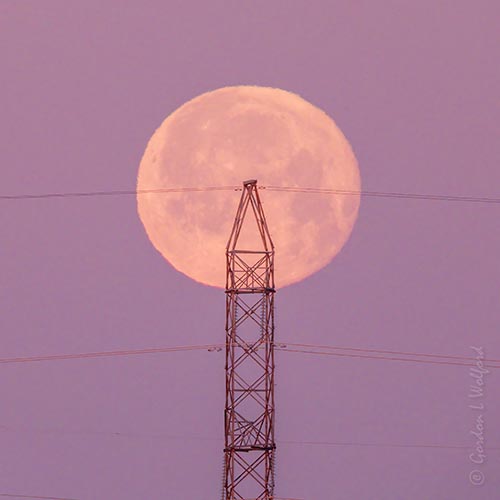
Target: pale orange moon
{"points": [[232, 134]]}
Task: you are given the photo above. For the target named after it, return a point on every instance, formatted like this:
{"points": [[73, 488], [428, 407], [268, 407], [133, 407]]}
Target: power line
{"points": [[38, 497], [382, 194], [138, 435], [289, 189], [280, 347], [387, 358], [102, 354], [384, 445], [86, 194], [380, 351]]}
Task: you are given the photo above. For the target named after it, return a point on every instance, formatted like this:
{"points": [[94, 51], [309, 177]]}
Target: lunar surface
{"points": [[232, 134]]}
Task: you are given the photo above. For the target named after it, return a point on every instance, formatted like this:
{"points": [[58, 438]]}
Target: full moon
{"points": [[232, 134]]}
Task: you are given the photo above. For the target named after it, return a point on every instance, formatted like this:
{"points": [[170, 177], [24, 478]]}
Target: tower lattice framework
{"points": [[250, 448]]}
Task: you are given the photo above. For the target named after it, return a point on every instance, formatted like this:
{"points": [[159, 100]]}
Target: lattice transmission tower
{"points": [[250, 448]]}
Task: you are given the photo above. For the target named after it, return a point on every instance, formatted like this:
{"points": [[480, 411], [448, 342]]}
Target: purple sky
{"points": [[83, 85]]}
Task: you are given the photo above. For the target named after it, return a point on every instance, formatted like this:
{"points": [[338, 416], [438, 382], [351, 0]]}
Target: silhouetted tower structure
{"points": [[249, 411]]}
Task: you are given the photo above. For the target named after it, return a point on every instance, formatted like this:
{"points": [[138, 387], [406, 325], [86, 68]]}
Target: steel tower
{"points": [[249, 450]]}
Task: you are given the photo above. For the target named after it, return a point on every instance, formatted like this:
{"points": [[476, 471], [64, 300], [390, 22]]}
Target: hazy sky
{"points": [[83, 85]]}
